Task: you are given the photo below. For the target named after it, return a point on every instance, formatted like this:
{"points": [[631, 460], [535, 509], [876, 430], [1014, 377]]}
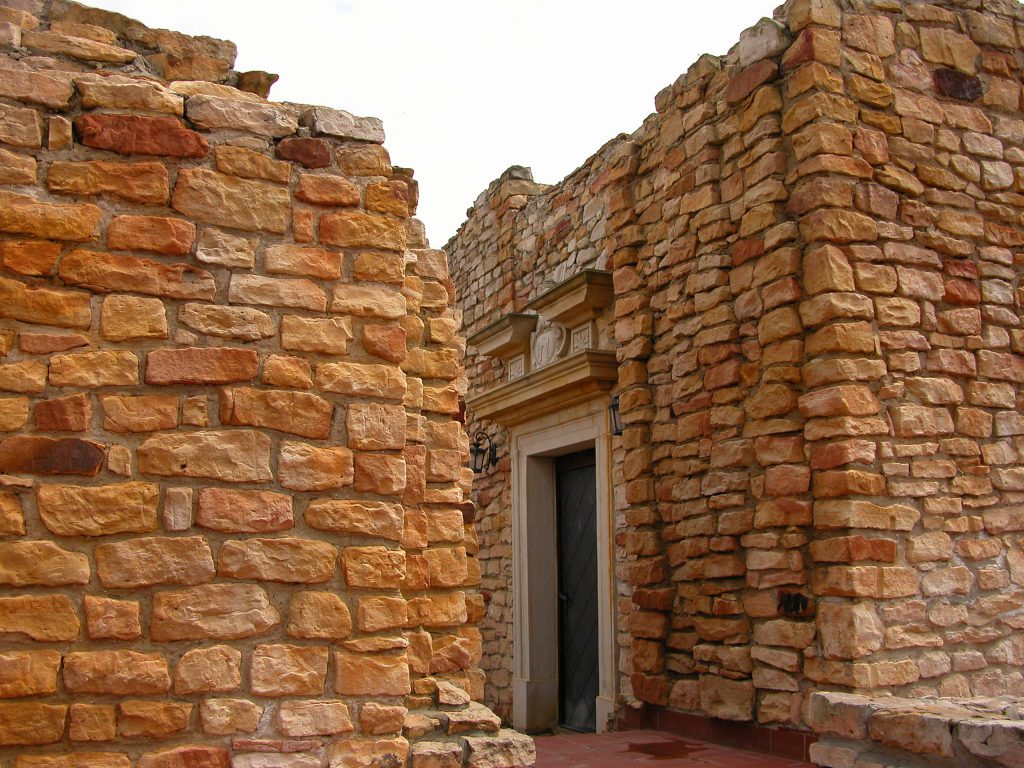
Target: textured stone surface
{"points": [[239, 456], [68, 510], [297, 413], [216, 611], [244, 511], [228, 201], [289, 560], [25, 215], [116, 673], [144, 562]]}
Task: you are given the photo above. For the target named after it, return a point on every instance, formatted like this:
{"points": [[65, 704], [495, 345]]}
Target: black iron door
{"points": [[577, 590]]}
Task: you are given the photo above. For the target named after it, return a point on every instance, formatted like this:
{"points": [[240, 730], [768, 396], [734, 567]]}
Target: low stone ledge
{"points": [[864, 731]]}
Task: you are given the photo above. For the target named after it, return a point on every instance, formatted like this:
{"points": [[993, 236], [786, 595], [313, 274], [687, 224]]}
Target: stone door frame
{"points": [[534, 446]]}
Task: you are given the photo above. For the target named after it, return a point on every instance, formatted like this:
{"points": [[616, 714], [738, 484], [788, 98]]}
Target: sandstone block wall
{"points": [[233, 524], [815, 244]]}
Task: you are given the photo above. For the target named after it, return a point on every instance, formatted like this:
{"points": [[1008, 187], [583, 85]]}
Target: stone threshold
{"points": [[789, 743]]}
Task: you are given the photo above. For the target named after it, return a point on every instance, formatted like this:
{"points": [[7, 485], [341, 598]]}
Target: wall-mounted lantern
{"points": [[615, 416], [483, 452]]}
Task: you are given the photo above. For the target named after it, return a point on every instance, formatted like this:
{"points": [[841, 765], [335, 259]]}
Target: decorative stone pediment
{"points": [[581, 298], [552, 356], [562, 323], [508, 337]]}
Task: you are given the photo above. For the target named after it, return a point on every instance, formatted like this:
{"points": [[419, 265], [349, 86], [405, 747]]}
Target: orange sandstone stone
{"points": [[388, 197], [28, 673], [298, 293], [45, 306], [298, 413], [318, 615], [159, 234], [109, 272], [314, 718], [108, 619], [29, 257], [41, 563], [47, 618], [191, 756], [373, 567], [303, 467], [230, 511], [287, 560], [223, 717], [48, 343], [248, 164], [69, 510], [141, 413], [152, 719], [201, 365], [208, 670], [311, 153], [380, 473], [146, 183], [387, 342], [354, 229], [12, 520], [217, 198], [327, 190], [359, 675], [287, 371], [288, 670], [93, 722], [352, 516], [116, 673], [29, 723], [13, 413], [143, 562], [236, 456], [212, 611], [133, 317], [20, 127], [302, 261]]}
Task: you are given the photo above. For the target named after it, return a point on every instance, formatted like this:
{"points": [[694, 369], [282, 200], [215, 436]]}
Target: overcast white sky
{"points": [[467, 88]]}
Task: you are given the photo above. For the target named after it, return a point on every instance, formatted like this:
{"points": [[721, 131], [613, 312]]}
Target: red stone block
{"points": [[747, 81], [962, 292], [138, 135], [64, 414], [312, 153], [48, 343], [201, 365]]}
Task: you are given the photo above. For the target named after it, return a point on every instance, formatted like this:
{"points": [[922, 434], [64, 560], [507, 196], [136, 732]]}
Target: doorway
{"points": [[548, 462], [576, 482]]}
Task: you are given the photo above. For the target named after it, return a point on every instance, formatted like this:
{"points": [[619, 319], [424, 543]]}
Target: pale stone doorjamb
{"points": [[534, 446]]}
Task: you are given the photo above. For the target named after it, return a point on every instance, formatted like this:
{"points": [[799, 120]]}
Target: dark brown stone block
{"points": [[312, 153], [49, 456]]}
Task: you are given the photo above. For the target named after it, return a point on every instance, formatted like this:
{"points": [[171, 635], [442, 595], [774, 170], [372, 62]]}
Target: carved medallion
{"points": [[548, 345]]}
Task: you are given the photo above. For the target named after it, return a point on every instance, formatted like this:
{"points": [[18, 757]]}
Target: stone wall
{"points": [[815, 244], [232, 518]]}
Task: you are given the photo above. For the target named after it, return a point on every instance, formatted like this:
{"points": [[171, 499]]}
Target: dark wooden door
{"points": [[577, 590]]}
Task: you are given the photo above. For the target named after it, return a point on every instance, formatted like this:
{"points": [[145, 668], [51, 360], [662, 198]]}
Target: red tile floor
{"points": [[634, 749]]}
